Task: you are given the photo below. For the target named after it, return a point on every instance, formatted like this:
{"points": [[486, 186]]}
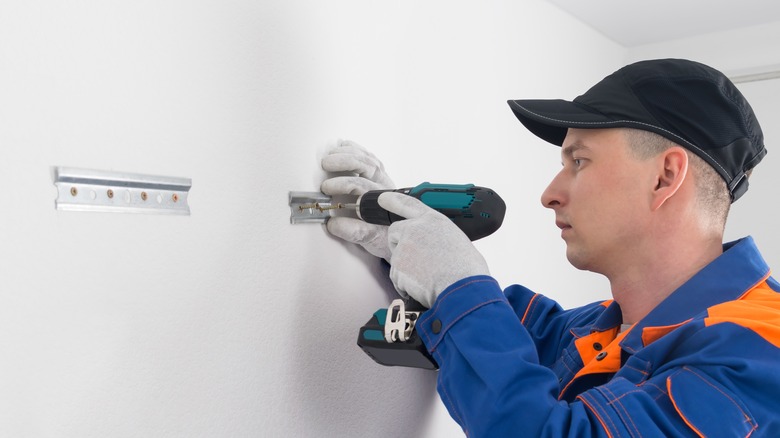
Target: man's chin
{"points": [[577, 259]]}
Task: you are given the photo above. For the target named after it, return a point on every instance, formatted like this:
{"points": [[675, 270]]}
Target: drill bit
{"points": [[325, 206]]}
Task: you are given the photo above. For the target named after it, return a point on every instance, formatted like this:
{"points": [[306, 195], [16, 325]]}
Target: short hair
{"points": [[712, 195]]}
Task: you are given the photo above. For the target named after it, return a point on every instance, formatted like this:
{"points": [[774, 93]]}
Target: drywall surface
{"points": [[232, 321]]}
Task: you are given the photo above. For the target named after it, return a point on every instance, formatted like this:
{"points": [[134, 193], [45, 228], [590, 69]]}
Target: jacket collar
{"points": [[726, 278]]}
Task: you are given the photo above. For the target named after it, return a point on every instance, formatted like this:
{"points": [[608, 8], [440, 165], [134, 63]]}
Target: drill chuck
{"points": [[368, 209]]}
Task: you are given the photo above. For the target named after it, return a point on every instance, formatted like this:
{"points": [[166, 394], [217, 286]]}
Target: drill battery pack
{"points": [[390, 339]]}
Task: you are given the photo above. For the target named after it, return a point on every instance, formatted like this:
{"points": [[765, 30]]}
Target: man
{"points": [[653, 155]]}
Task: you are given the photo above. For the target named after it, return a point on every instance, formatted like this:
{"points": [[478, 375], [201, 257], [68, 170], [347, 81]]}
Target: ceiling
{"points": [[635, 23]]}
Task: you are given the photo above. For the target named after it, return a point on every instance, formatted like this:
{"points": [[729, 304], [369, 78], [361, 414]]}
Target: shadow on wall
{"points": [[342, 392]]}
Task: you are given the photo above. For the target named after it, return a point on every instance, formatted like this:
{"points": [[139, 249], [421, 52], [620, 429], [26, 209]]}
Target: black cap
{"points": [[689, 103]]}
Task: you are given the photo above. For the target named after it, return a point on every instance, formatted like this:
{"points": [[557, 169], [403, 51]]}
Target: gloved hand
{"points": [[369, 174], [429, 252]]}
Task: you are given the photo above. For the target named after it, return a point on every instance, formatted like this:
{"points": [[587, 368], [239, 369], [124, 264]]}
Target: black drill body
{"points": [[477, 211]]}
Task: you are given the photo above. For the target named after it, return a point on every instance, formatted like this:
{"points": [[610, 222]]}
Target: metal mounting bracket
{"points": [[98, 190], [308, 207]]}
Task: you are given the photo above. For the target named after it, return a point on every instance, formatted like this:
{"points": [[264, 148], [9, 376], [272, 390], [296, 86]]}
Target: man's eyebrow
{"points": [[572, 148]]}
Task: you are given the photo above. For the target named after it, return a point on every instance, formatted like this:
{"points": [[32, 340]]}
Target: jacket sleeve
{"points": [[547, 323], [490, 378]]}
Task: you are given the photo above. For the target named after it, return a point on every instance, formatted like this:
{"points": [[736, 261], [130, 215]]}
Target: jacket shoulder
{"points": [[757, 310]]}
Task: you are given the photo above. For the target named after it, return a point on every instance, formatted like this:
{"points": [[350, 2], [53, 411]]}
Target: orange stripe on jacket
{"points": [[652, 334], [757, 310]]}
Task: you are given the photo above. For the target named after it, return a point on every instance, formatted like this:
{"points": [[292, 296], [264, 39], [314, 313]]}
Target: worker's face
{"points": [[599, 198]]}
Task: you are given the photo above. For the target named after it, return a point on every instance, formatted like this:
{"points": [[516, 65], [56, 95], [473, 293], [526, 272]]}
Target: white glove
{"points": [[369, 174], [429, 252]]}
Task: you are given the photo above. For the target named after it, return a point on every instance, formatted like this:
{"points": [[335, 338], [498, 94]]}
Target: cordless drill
{"points": [[389, 336]]}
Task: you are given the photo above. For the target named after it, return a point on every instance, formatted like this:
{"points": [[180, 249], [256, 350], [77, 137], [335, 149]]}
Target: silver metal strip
{"points": [[120, 192], [304, 207]]}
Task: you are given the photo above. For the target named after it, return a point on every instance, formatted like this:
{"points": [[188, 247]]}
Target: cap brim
{"points": [[550, 119]]}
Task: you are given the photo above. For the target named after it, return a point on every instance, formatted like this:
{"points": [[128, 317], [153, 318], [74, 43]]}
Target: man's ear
{"points": [[671, 166]]}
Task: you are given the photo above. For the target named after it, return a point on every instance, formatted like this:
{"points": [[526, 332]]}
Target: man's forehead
{"points": [[592, 140]]}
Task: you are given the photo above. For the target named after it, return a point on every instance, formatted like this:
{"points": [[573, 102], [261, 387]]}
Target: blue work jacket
{"points": [[704, 362]]}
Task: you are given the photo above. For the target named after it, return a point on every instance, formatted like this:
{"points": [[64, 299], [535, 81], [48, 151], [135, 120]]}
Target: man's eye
{"points": [[577, 162]]}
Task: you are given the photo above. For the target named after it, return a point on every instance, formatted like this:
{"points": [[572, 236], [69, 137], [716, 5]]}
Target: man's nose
{"points": [[554, 195]]}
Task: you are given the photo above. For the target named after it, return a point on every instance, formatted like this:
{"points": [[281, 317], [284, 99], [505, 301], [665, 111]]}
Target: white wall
{"points": [[232, 322], [737, 52], [734, 51], [756, 212]]}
